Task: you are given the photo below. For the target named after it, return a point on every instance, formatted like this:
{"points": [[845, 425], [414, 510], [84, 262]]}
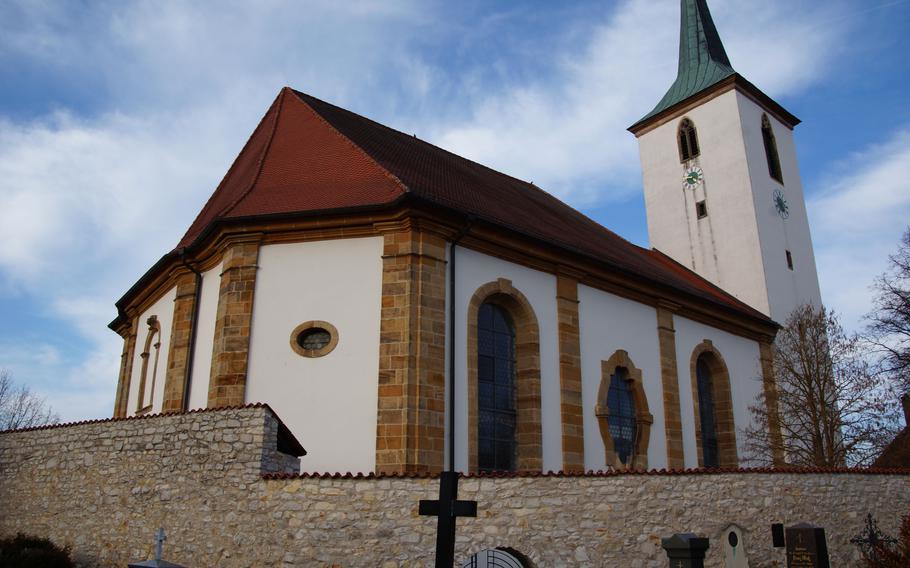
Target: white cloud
{"points": [[92, 200], [568, 134], [857, 221]]}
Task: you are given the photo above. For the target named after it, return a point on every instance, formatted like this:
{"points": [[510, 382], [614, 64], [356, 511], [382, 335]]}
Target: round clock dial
{"points": [[780, 203], [693, 177]]}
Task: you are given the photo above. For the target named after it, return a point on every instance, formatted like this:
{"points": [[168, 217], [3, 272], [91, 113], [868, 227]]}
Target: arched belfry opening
{"points": [[687, 137]]}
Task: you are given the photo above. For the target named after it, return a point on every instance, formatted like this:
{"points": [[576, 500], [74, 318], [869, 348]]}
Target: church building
{"points": [[352, 276]]}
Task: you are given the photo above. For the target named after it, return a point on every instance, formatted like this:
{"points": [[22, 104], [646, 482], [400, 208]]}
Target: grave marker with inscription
{"points": [[685, 550], [807, 547]]}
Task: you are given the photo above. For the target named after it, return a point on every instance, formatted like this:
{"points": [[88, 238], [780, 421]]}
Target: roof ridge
{"points": [[209, 202], [527, 184], [262, 158], [341, 135]]}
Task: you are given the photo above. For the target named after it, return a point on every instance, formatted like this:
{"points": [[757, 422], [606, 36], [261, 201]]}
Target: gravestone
{"points": [[734, 548], [807, 547], [685, 550]]}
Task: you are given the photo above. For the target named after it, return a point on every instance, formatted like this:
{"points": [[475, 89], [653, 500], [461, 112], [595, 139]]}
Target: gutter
{"points": [[460, 235], [197, 299]]}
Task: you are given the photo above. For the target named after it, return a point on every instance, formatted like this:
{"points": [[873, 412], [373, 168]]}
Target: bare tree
{"points": [[833, 410], [889, 322], [20, 407]]}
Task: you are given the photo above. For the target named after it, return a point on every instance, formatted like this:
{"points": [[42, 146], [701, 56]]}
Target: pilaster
{"points": [[179, 348], [410, 433], [669, 375], [230, 352], [126, 368], [573, 443], [769, 383]]}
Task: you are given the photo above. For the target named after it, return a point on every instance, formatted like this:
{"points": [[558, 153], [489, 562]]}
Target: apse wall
{"points": [[329, 401]]}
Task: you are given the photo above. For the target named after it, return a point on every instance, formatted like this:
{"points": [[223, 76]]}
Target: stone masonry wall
{"points": [[105, 487]]}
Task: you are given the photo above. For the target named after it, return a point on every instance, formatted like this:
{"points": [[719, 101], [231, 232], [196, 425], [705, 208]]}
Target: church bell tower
{"points": [[721, 180]]}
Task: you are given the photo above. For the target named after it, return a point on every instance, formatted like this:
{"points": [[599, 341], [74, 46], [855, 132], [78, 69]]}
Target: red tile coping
{"points": [[290, 441], [599, 473]]}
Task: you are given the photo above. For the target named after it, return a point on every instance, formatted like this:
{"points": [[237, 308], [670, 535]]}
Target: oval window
{"points": [[314, 338]]}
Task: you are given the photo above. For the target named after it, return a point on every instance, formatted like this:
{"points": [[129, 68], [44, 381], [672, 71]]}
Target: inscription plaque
{"points": [[807, 547]]}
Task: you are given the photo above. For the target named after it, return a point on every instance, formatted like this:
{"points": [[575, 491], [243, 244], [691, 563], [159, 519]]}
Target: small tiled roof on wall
{"points": [[308, 156]]}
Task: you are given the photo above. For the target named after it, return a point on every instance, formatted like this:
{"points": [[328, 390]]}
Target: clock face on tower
{"points": [[780, 203], [693, 177]]}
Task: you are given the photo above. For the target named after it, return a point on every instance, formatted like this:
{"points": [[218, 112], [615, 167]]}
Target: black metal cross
{"points": [[448, 508]]}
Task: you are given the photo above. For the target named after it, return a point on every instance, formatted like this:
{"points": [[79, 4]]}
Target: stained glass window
{"points": [[621, 420], [314, 338], [495, 390], [706, 410]]}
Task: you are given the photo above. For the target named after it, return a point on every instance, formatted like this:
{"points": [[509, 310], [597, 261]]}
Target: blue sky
{"points": [[118, 119]]}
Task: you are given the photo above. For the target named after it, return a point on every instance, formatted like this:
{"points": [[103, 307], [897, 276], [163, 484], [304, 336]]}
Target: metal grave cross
{"points": [[159, 543], [448, 508]]}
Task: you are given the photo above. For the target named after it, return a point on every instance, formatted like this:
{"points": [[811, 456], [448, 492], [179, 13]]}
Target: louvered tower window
{"points": [[767, 134], [688, 141], [621, 419], [707, 415], [496, 397]]}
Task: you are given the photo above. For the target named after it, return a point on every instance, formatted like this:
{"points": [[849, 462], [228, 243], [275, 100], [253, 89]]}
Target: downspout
{"points": [[188, 375], [460, 235]]}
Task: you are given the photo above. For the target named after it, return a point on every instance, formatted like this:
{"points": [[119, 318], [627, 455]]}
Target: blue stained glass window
{"points": [[706, 411], [621, 405], [496, 400]]}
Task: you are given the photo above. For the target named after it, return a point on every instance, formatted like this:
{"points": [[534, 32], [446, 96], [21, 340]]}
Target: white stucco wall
{"points": [[329, 402], [610, 323], [473, 270], [786, 288], [205, 338], [742, 358], [163, 308]]}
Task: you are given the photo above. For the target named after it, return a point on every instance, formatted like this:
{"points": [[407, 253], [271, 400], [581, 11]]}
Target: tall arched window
{"points": [[621, 405], [767, 134], [707, 418], [688, 141], [496, 397], [146, 386]]}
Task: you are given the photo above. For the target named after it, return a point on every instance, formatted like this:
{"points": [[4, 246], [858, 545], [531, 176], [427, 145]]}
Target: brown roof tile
{"points": [[307, 155]]}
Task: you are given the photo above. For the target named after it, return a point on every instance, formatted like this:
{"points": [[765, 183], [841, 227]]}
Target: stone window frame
{"points": [[154, 331], [771, 154], [643, 417], [686, 134], [723, 404], [313, 353], [528, 430]]}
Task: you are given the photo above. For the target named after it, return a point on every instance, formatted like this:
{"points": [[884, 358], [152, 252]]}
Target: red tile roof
{"points": [[307, 155]]}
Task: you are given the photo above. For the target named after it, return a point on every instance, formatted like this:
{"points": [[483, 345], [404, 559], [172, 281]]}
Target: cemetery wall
{"points": [[105, 487]]}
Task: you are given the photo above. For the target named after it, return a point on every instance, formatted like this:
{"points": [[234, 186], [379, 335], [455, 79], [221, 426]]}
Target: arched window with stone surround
{"points": [[623, 414], [767, 134], [715, 429], [687, 137], [503, 303], [151, 350]]}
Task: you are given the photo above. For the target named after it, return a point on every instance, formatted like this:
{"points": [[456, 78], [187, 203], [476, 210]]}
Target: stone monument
{"points": [[807, 547]]}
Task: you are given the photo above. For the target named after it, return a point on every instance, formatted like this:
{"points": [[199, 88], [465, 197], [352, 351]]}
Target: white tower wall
{"points": [[741, 244]]}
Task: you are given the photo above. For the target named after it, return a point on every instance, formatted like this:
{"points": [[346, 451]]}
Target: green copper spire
{"points": [[702, 58]]}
